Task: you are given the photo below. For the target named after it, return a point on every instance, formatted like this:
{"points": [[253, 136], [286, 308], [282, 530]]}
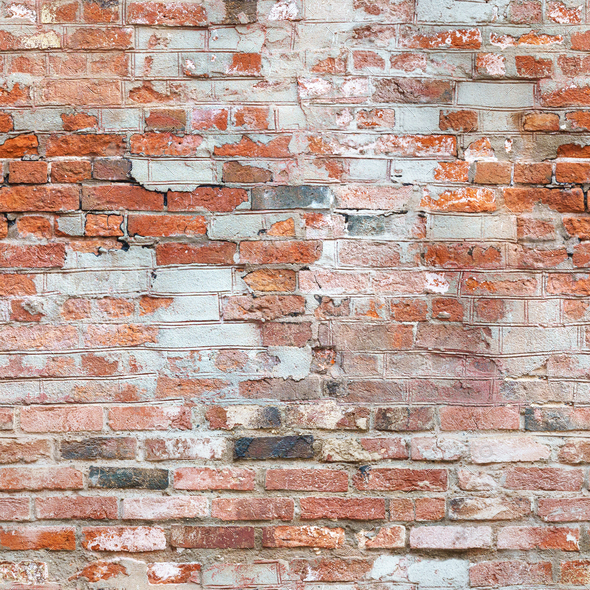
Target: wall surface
{"points": [[294, 294]]}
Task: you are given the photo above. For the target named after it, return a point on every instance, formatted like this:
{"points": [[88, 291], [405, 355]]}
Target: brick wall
{"points": [[294, 294]]}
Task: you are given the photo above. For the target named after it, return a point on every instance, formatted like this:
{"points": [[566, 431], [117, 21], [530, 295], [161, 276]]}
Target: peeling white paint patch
{"points": [[436, 283], [20, 11], [284, 10]]}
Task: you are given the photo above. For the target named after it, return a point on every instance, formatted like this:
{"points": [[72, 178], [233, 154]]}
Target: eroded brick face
{"points": [[294, 294]]}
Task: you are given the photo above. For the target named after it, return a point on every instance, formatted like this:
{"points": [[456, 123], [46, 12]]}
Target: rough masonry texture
{"points": [[294, 294]]}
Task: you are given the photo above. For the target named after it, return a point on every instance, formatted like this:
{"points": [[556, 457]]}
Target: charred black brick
{"points": [[98, 448], [128, 477], [292, 197], [274, 447]]}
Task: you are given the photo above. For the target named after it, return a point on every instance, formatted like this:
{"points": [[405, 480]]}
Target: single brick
{"points": [[98, 448], [274, 447], [200, 537], [128, 477]]}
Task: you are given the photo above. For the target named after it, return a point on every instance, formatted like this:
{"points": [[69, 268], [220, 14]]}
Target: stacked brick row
{"points": [[294, 294]]}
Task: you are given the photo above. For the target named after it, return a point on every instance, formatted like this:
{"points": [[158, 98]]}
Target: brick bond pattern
{"points": [[294, 294]]}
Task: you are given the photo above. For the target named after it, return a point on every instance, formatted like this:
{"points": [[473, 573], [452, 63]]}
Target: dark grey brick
{"points": [[128, 477], [292, 197], [274, 447], [98, 448]]}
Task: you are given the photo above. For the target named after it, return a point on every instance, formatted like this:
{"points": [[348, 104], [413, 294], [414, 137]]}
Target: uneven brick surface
{"points": [[294, 294]]}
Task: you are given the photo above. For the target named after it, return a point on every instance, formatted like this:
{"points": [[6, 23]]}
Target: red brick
{"points": [[35, 225], [251, 117], [103, 38], [38, 337], [252, 509], [572, 172], [103, 225], [540, 173], [575, 572], [528, 537], [150, 418], [509, 573], [61, 418], [120, 196], [15, 509], [541, 122], [455, 39], [544, 478], [76, 507], [463, 256], [167, 225], [27, 478], [342, 508], [39, 198], [182, 14], [173, 573], [465, 199], [493, 172], [564, 509], [71, 171], [100, 571], [393, 537], [529, 66], [202, 537], [331, 570], [303, 536], [579, 119], [27, 172], [207, 199], [524, 199], [461, 121], [6, 123], [120, 335], [473, 418], [206, 478], [206, 253], [286, 334], [289, 252], [17, 147], [210, 119], [85, 145], [36, 538], [401, 479], [310, 480], [245, 64], [247, 148], [430, 509], [578, 227], [165, 144], [409, 310]]}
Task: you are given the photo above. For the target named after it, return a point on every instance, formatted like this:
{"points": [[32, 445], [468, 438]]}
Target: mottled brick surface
{"points": [[294, 294]]}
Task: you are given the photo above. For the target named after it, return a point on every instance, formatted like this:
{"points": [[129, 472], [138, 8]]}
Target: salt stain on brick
{"points": [[124, 539], [451, 538], [508, 450], [173, 573]]}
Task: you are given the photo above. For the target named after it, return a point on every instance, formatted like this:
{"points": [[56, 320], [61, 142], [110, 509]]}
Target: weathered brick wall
{"points": [[294, 294]]}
